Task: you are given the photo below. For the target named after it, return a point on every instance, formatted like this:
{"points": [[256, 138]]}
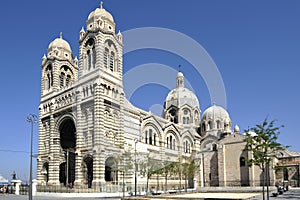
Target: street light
{"points": [[135, 166], [31, 118]]}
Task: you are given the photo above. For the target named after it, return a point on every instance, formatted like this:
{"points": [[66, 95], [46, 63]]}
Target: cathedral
{"points": [[89, 133]]}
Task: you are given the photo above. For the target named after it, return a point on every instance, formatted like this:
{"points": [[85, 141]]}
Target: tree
{"points": [[264, 147], [148, 166], [167, 170], [124, 163]]}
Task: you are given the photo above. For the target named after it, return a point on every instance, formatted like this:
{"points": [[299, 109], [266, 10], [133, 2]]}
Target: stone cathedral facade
{"points": [[87, 124]]}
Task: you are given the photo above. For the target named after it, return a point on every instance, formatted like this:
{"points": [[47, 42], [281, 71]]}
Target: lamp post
{"points": [[67, 167], [31, 118], [135, 170]]}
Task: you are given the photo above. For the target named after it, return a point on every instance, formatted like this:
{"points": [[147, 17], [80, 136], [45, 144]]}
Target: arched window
{"points": [[242, 162], [105, 57], [187, 146], [203, 127], [214, 147], [111, 61], [186, 116], [68, 80], [150, 136], [49, 77], [146, 137], [45, 172], [111, 173], [171, 142], [197, 116], [65, 77], [218, 124], [210, 125], [109, 56], [61, 79], [90, 61]]}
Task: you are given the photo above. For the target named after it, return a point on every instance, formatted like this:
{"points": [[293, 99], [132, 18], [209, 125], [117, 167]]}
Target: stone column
{"points": [[34, 184], [98, 151], [17, 183], [251, 172], [41, 149], [54, 154], [79, 138], [222, 165], [202, 171]]}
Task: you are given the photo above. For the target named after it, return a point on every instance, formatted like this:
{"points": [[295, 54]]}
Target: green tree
{"points": [[148, 167], [264, 147], [167, 170]]}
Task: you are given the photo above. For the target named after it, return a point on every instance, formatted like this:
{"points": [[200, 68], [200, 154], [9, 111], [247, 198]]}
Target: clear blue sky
{"points": [[255, 45]]}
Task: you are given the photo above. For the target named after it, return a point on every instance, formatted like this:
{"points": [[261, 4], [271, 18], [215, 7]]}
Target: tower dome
{"points": [[181, 104], [102, 19], [59, 43], [60, 48]]}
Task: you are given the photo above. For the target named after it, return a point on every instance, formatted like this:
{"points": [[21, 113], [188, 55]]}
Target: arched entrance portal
{"points": [[45, 172], [67, 132], [88, 170], [111, 171]]}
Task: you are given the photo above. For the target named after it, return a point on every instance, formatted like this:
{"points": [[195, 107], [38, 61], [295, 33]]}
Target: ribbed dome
{"points": [[215, 112], [59, 43], [60, 49], [181, 96], [100, 13], [101, 19]]}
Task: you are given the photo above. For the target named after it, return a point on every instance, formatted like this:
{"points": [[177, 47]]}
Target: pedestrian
{"points": [[3, 190]]}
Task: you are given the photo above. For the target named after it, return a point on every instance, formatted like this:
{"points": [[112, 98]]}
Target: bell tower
{"points": [[101, 69], [101, 47], [59, 68]]}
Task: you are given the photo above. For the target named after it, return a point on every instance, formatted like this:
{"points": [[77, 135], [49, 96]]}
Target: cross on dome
{"points": [[101, 4], [60, 35]]}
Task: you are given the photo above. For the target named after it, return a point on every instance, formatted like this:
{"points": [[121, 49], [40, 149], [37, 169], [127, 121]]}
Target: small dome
{"points": [[59, 43], [215, 112], [179, 74], [100, 13], [236, 129]]}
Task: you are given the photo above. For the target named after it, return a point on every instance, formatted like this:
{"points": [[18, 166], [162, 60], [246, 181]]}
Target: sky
{"points": [[255, 46]]}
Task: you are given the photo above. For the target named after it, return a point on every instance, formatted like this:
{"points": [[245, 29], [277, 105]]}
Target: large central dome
{"points": [[181, 105], [180, 95]]}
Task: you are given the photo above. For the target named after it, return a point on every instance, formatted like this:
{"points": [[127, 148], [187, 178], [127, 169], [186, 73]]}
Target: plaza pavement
{"points": [[292, 194]]}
